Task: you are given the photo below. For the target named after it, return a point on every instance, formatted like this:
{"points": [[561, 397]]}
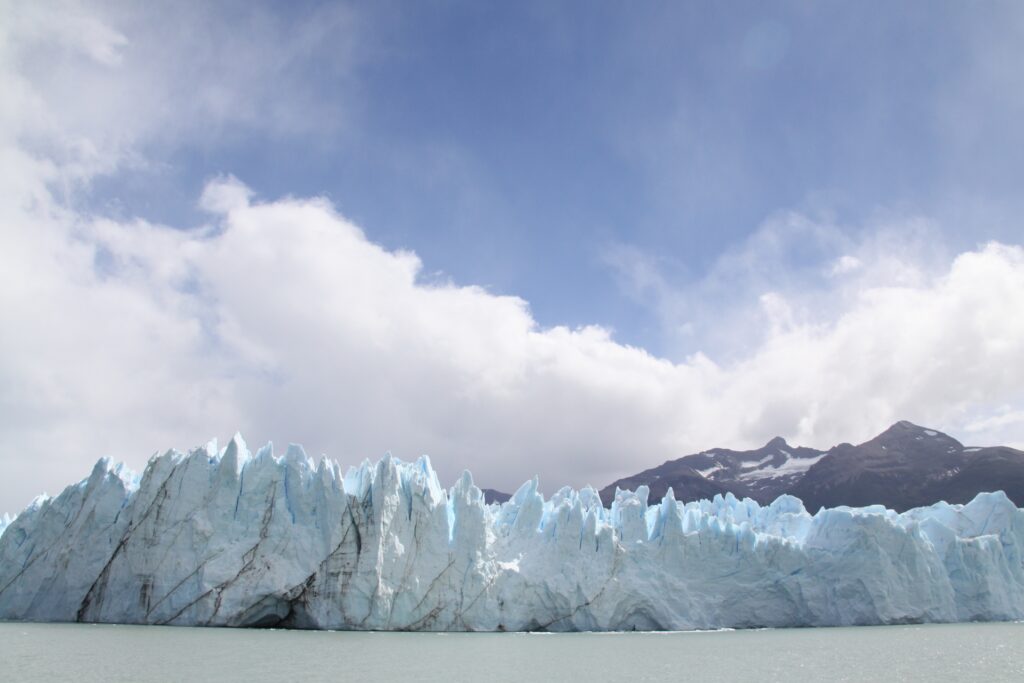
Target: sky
{"points": [[565, 239]]}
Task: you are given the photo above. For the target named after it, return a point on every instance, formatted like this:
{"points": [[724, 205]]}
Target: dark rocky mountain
{"points": [[493, 496], [905, 466], [908, 466], [762, 474]]}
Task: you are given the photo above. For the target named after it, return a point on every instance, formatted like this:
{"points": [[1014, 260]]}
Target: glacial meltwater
{"points": [[86, 653]]}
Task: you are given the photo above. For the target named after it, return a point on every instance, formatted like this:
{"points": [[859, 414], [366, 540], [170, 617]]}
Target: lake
{"points": [[85, 653]]}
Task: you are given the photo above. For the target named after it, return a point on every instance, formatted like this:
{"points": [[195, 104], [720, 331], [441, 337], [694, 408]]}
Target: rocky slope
{"points": [[494, 496], [903, 467]]}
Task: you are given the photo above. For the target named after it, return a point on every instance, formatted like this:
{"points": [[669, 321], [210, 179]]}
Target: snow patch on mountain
{"points": [[791, 466], [747, 464], [708, 471]]}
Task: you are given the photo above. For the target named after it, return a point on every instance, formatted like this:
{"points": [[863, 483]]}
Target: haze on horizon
{"points": [[522, 239]]}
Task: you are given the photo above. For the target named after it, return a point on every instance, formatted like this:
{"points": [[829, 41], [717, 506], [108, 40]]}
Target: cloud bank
{"points": [[282, 319]]}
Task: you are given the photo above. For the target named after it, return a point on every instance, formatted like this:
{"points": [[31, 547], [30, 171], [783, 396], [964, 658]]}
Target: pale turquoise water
{"points": [[84, 653]]}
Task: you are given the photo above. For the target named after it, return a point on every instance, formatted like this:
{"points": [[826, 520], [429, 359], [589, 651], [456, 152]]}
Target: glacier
{"points": [[223, 537]]}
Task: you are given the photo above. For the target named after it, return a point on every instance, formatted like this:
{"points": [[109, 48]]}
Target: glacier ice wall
{"points": [[231, 539]]}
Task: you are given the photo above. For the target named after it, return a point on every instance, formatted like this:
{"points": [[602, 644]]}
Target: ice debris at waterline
{"points": [[222, 538]]}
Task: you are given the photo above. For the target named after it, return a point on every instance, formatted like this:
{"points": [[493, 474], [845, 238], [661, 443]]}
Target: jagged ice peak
{"points": [[227, 538]]}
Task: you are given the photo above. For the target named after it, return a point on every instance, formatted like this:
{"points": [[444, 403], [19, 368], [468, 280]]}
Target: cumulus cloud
{"points": [[792, 269], [283, 319], [845, 264], [286, 321]]}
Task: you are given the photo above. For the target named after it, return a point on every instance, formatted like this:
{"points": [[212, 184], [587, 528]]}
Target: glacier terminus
{"points": [[222, 537]]}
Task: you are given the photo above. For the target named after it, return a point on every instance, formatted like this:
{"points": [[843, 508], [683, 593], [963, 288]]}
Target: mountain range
{"points": [[905, 466]]}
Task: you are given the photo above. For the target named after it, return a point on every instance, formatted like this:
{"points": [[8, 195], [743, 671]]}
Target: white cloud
{"points": [[225, 195], [845, 264], [786, 272], [287, 322], [1002, 426]]}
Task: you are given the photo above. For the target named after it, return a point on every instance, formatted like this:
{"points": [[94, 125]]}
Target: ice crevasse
{"points": [[226, 538]]}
